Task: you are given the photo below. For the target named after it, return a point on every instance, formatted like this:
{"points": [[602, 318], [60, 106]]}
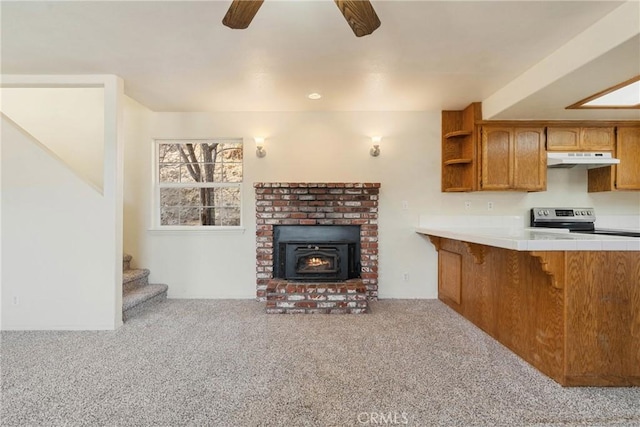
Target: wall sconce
{"points": [[260, 151], [375, 150]]}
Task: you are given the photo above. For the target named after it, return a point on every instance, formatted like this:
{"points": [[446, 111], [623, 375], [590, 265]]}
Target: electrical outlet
{"points": [[15, 300], [467, 205], [489, 206], [405, 205], [405, 277]]}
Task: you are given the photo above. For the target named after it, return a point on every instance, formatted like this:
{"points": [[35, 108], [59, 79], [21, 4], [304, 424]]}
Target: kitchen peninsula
{"points": [[568, 304]]}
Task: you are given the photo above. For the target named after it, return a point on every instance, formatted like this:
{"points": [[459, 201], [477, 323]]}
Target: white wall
{"points": [[314, 147], [61, 235], [68, 121], [56, 270], [137, 170]]}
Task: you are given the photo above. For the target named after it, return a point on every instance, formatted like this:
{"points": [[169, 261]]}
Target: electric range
{"points": [[576, 220]]}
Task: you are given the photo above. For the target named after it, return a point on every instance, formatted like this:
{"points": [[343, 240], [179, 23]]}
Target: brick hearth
{"points": [[317, 204], [349, 297]]}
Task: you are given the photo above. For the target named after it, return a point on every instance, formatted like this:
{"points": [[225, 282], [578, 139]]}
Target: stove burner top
{"points": [[624, 233], [576, 220]]}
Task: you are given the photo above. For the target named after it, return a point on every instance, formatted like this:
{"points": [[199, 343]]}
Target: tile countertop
{"points": [[512, 235]]}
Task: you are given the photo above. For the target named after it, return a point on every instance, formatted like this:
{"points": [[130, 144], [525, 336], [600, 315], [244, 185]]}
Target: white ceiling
{"points": [[427, 55]]}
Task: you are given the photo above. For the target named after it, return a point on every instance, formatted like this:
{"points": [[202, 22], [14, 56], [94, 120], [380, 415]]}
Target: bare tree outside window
{"points": [[199, 182]]}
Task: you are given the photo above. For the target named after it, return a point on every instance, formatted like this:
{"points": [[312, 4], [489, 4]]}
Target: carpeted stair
{"points": [[137, 293]]}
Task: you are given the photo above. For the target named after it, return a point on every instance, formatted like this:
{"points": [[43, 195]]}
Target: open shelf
{"points": [[457, 133], [457, 162], [457, 189], [459, 165]]}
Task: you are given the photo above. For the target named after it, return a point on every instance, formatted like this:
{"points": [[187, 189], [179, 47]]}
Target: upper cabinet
{"points": [[485, 155], [626, 175], [459, 151], [580, 138], [513, 158], [496, 148], [510, 158]]}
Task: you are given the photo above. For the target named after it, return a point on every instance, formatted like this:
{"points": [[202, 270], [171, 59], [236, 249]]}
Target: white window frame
{"points": [[156, 223]]}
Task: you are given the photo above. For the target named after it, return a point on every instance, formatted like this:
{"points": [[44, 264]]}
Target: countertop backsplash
{"points": [[468, 221], [619, 222]]}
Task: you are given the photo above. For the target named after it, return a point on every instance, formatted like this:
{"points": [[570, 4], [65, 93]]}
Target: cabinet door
{"points": [[563, 139], [597, 139], [497, 159], [449, 276], [628, 151], [529, 159]]}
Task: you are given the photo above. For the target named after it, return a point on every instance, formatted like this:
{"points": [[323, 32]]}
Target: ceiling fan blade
{"points": [[241, 13], [360, 15]]}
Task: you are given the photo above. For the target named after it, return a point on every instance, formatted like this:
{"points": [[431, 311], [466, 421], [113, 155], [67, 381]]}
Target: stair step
{"points": [[142, 297], [137, 293], [134, 278], [126, 262]]}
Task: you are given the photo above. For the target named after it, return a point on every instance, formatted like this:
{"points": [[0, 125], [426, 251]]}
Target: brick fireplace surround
{"points": [[299, 203]]}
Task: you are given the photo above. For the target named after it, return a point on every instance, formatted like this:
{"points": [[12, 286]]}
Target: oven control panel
{"points": [[563, 215]]}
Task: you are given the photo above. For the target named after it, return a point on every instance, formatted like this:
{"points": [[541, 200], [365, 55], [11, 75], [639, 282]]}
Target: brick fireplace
{"points": [[280, 207]]}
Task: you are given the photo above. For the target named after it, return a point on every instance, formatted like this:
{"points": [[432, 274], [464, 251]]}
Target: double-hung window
{"points": [[198, 183]]}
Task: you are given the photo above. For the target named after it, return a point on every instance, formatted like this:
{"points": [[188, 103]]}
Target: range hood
{"points": [[589, 160]]}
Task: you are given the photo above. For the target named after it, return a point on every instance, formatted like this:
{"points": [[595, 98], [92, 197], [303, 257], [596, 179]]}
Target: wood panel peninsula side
{"points": [[573, 315]]}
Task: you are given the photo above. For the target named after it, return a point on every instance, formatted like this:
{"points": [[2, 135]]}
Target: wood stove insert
{"points": [[317, 253]]}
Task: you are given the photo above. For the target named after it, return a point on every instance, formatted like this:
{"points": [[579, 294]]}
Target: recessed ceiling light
{"points": [[623, 95], [314, 95]]}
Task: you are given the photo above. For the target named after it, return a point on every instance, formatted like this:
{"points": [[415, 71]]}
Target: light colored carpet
{"points": [[226, 363]]}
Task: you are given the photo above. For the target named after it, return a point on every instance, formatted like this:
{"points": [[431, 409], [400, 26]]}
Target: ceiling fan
{"points": [[359, 14]]}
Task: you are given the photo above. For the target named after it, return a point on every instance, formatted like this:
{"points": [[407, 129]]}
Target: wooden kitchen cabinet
{"points": [[450, 276], [570, 314], [513, 158], [508, 155], [459, 151], [497, 150], [580, 138], [626, 175]]}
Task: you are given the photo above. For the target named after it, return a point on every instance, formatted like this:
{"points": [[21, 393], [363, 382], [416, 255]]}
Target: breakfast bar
{"points": [[568, 304]]}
